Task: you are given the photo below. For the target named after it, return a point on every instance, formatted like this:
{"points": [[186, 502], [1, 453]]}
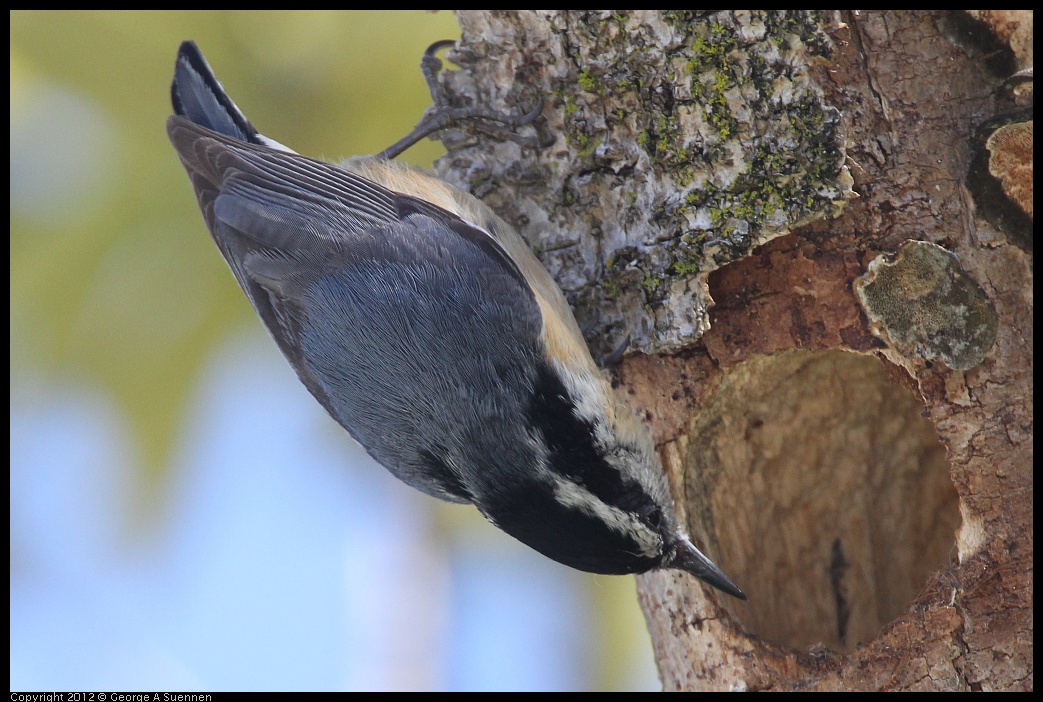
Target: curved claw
{"points": [[431, 66], [530, 117], [438, 46], [614, 357]]}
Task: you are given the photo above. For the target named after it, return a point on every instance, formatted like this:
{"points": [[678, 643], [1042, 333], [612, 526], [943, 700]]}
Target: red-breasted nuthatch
{"points": [[427, 328]]}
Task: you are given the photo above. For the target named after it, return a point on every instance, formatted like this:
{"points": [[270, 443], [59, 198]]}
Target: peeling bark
{"points": [[717, 183]]}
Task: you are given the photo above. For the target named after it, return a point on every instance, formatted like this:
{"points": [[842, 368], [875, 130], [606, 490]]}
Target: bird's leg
{"points": [[441, 116]]}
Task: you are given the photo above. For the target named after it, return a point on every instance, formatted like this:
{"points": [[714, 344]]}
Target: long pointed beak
{"points": [[688, 558]]}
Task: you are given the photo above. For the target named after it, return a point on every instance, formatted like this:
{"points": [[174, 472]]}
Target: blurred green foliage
{"points": [[114, 279]]}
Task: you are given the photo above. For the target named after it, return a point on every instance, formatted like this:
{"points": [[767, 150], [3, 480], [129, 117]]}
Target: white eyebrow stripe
{"points": [[573, 496]]}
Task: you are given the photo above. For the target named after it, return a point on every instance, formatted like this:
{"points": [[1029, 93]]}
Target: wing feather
{"points": [[382, 302]]}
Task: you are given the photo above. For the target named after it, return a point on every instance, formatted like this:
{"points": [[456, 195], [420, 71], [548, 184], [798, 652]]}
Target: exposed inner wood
{"points": [[830, 495]]}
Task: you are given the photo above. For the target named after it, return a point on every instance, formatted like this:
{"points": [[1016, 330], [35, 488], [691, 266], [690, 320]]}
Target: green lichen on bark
{"points": [[688, 138], [740, 143]]}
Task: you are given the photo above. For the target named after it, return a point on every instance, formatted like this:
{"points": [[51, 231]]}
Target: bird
{"points": [[426, 327]]}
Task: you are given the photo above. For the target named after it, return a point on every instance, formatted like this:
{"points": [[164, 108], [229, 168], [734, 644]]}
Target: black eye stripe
{"points": [[570, 441]]}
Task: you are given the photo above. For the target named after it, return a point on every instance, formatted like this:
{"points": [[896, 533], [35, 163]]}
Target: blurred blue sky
{"points": [[287, 560]]}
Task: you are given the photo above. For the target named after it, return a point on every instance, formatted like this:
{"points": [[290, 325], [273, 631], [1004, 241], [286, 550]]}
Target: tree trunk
{"points": [[849, 429]]}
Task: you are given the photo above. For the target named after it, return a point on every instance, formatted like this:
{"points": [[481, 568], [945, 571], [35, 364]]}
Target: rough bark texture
{"points": [[848, 435]]}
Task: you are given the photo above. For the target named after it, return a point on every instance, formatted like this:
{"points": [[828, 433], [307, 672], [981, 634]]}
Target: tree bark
{"points": [[829, 294]]}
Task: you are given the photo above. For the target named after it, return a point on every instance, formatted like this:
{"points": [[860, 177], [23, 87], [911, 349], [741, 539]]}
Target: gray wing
{"points": [[413, 328]]}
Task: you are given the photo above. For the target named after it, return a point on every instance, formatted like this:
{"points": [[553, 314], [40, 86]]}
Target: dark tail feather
{"points": [[198, 96]]}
